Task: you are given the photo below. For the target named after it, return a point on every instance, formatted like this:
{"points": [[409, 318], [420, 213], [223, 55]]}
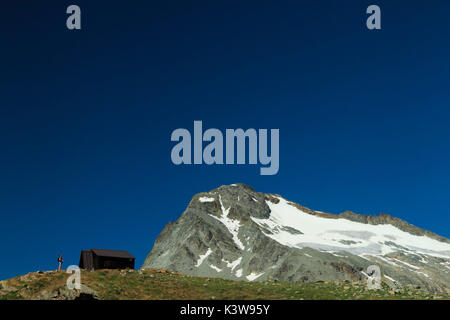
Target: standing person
{"points": [[60, 262]]}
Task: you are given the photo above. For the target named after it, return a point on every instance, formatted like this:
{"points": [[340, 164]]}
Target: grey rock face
{"points": [[230, 233]]}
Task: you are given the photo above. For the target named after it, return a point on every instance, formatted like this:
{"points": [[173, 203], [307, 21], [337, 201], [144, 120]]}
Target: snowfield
{"points": [[334, 235]]}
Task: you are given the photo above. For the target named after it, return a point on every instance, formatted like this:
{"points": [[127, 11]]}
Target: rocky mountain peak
{"points": [[237, 233]]}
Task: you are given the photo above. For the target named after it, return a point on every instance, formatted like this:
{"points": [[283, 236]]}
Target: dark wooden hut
{"points": [[106, 259]]}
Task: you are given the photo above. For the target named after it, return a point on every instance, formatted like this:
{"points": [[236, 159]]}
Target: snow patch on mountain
{"points": [[234, 263], [206, 199], [203, 257], [253, 276], [215, 268], [389, 278], [407, 264], [231, 224]]}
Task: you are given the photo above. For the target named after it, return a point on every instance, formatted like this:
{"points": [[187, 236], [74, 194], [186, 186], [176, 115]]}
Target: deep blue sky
{"points": [[86, 116]]}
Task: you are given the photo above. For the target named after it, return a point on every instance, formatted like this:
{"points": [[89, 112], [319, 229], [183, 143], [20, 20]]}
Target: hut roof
{"points": [[112, 253]]}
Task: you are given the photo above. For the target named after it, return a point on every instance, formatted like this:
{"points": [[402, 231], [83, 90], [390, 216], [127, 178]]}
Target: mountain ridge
{"points": [[382, 218]]}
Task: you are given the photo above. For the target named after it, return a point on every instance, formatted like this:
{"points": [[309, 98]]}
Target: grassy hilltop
{"points": [[154, 284]]}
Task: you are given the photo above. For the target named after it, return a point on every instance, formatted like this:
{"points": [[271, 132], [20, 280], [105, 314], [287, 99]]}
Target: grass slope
{"points": [[161, 284]]}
